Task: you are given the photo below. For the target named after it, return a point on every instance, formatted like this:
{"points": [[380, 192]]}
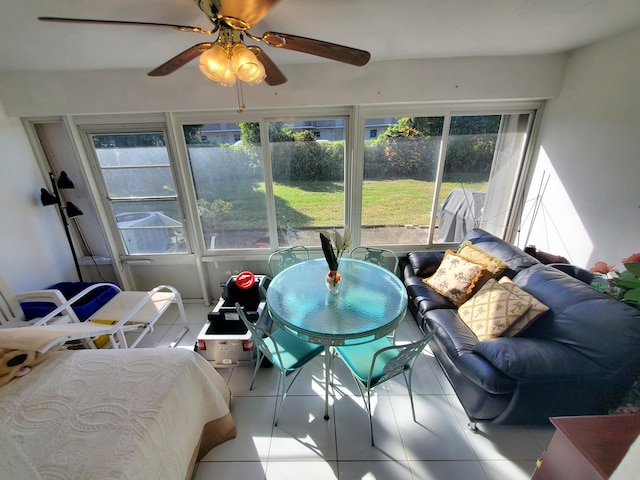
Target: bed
{"points": [[107, 414]]}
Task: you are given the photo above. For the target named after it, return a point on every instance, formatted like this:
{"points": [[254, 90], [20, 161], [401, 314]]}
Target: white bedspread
{"points": [[107, 414]]}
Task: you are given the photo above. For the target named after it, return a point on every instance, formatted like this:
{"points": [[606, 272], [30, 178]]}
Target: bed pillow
{"points": [[455, 278], [493, 310], [537, 308], [494, 266]]}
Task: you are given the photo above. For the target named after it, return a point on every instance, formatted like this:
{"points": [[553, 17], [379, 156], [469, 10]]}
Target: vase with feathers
{"points": [[334, 244]]}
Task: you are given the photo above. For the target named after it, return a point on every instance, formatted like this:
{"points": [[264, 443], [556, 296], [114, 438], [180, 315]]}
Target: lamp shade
{"points": [[47, 198], [64, 181], [246, 65], [73, 210], [214, 63]]}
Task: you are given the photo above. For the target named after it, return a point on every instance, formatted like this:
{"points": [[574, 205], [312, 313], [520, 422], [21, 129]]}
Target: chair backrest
{"points": [[286, 257], [258, 335], [375, 255], [403, 360], [10, 309]]}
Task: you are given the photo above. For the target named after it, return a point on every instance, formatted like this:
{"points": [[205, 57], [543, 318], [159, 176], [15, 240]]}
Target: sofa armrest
{"points": [[481, 372], [536, 359], [425, 264]]}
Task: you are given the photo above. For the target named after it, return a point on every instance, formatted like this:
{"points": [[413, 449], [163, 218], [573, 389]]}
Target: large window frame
{"points": [[109, 203], [356, 135]]}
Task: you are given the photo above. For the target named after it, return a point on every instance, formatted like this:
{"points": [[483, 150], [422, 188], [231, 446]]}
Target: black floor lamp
{"points": [[48, 198]]}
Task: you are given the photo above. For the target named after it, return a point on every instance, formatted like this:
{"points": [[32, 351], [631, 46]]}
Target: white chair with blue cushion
{"points": [[373, 363], [287, 353]]}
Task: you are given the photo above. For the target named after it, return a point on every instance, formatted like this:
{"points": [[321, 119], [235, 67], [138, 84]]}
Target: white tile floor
{"points": [[305, 446]]}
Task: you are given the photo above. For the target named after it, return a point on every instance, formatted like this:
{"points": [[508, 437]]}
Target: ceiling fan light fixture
{"points": [[246, 65], [229, 78], [214, 63]]}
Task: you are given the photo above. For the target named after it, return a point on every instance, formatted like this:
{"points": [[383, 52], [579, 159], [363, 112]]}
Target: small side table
{"points": [[588, 447]]}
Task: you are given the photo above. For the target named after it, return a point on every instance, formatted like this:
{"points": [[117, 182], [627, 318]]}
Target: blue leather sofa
{"points": [[579, 358]]}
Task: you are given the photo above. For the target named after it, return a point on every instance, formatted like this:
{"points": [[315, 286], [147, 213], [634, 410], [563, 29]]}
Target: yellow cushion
{"points": [[536, 310], [455, 278], [493, 310], [102, 340], [494, 266]]}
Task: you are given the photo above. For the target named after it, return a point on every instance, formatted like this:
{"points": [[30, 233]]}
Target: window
{"points": [[400, 168], [409, 180], [467, 164], [230, 189], [308, 179], [138, 179]]}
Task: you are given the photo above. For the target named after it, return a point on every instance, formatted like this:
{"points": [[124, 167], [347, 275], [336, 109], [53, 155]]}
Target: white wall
{"points": [[33, 248], [322, 84], [589, 144]]}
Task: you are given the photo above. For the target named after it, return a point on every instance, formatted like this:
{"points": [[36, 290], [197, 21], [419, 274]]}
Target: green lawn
{"points": [[385, 202]]}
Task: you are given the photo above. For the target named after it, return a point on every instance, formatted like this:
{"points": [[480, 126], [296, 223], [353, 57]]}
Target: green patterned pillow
{"points": [[455, 278], [493, 310]]}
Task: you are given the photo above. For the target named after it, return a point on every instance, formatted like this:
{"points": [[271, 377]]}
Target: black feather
{"points": [[329, 254]]}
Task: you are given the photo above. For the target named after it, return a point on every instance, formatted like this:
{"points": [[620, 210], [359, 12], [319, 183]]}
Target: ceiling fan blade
{"points": [[332, 51], [249, 11], [274, 75], [182, 28], [180, 60]]}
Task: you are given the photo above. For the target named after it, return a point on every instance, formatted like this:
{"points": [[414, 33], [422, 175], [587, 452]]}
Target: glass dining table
{"points": [[369, 304]]}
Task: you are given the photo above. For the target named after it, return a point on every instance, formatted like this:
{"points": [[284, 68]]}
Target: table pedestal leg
{"points": [[327, 373]]}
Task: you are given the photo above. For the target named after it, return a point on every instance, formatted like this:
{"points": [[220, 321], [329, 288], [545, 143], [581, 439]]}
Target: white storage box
{"points": [[224, 349]]}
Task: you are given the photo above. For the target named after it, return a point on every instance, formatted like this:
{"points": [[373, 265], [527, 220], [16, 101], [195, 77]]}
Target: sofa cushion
{"points": [[425, 264], [494, 266], [515, 258], [493, 310], [536, 310], [536, 359], [456, 341], [452, 334], [602, 329], [456, 277]]}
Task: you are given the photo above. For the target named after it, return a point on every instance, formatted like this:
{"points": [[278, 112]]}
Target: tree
{"points": [[192, 134], [402, 149]]}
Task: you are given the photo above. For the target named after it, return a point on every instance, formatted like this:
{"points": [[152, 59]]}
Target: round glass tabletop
{"points": [[370, 303]]}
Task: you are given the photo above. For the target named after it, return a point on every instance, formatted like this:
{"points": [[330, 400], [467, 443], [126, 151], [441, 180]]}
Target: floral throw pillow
{"points": [[455, 278], [493, 310]]}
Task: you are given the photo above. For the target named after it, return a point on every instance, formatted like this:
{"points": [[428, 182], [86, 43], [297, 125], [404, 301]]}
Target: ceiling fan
{"points": [[228, 58]]}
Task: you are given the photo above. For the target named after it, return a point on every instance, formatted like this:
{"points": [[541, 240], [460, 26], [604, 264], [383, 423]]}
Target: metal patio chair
{"points": [[287, 353], [286, 257], [373, 363], [375, 255]]}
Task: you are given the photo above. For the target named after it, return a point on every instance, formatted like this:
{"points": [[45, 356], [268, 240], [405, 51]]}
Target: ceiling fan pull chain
{"points": [[240, 95]]}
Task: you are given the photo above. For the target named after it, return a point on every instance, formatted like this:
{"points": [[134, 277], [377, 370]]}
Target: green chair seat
{"points": [[376, 362], [287, 353]]}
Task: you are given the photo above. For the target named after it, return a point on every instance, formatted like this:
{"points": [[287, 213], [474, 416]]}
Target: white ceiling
{"points": [[389, 29]]}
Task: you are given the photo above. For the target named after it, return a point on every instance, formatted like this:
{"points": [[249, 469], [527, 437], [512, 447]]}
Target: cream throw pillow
{"points": [[536, 310], [493, 310], [494, 266], [455, 278]]}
